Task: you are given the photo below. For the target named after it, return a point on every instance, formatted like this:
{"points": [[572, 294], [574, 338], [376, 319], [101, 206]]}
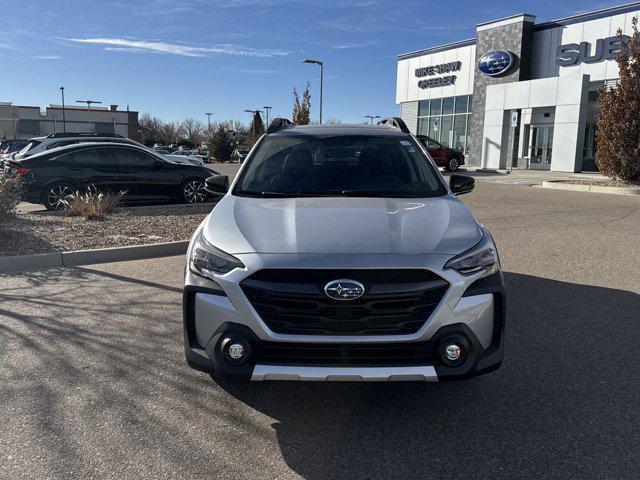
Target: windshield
{"points": [[356, 165], [29, 146]]}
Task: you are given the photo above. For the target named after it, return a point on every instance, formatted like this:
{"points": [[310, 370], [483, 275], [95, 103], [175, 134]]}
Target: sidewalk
{"points": [[526, 177]]}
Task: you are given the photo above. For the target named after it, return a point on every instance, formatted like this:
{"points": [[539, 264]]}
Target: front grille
{"points": [[395, 302], [344, 354]]}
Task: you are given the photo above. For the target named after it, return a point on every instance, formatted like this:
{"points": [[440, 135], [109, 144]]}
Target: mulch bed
{"points": [[31, 233]]}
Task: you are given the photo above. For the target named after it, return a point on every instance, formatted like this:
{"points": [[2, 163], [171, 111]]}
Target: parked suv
{"points": [[340, 253], [51, 176], [41, 144], [444, 156]]}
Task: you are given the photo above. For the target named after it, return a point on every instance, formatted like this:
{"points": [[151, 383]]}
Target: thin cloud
{"points": [[347, 46], [143, 46], [47, 57]]}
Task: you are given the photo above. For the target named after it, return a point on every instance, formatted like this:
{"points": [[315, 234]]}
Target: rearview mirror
{"points": [[217, 184], [461, 184]]}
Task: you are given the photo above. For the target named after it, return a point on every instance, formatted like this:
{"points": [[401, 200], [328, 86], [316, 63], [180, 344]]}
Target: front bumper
{"points": [[472, 311]]}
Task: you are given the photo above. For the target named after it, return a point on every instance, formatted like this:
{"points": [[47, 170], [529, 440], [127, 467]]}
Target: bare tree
{"points": [[153, 126], [193, 130], [171, 132]]}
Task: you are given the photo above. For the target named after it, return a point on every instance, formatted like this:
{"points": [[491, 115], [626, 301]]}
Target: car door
{"points": [[143, 175], [92, 166]]}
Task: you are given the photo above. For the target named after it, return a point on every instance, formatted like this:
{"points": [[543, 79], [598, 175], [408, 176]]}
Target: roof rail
{"points": [[79, 135], [395, 122], [279, 124]]}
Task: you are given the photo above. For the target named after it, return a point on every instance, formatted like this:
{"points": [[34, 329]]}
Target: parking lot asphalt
{"points": [[94, 383]]}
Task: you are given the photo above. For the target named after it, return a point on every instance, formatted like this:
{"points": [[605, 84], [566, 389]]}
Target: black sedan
{"points": [[145, 176]]}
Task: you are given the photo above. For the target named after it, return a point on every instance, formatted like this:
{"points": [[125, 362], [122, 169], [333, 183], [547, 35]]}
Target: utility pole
{"points": [[89, 103], [64, 118], [267, 114], [208, 120], [321, 63]]}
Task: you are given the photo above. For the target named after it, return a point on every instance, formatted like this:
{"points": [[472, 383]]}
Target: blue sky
{"points": [[176, 59]]}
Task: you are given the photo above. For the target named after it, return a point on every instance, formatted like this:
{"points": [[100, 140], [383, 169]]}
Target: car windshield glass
{"points": [[347, 165], [29, 146]]}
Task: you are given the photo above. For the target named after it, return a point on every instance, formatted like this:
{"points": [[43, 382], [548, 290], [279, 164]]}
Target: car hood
{"points": [[441, 225]]}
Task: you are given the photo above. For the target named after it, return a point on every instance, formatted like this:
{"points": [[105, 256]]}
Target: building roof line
{"points": [[438, 48], [583, 17], [506, 18]]}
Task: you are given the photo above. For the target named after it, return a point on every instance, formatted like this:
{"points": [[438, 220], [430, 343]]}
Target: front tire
{"points": [[452, 165], [54, 195], [193, 191]]}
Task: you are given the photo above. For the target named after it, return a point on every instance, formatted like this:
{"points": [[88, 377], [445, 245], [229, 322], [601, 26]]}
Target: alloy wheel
{"points": [[56, 196], [194, 192]]}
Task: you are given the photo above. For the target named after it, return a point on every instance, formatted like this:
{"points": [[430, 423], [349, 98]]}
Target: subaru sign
{"points": [[496, 62]]}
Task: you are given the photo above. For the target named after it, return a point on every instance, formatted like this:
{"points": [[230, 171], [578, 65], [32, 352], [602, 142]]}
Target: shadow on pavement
{"points": [[564, 403], [94, 384]]}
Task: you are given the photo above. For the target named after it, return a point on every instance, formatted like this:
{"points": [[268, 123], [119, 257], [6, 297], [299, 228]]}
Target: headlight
{"points": [[207, 260], [484, 256]]}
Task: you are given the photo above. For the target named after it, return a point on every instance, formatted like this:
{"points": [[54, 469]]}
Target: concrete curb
{"points": [[560, 185], [86, 257]]}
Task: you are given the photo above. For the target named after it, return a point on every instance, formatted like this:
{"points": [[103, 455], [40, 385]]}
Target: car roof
{"points": [[83, 145], [340, 129]]}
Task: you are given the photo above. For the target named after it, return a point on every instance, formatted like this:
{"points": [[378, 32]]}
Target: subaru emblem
{"points": [[344, 289], [496, 62]]}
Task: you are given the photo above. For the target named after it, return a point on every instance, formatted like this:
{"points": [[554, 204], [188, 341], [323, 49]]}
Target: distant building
{"points": [[19, 121]]}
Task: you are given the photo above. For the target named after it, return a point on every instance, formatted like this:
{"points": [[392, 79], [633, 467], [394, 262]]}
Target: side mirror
{"points": [[461, 184], [217, 184]]}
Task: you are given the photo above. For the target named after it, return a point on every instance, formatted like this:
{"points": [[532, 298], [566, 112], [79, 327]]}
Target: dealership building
{"points": [[521, 94]]}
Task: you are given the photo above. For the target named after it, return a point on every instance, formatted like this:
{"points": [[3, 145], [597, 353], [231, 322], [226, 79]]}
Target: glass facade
{"points": [[589, 147], [446, 120]]}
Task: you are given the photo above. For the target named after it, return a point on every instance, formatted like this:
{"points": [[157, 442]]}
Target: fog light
{"points": [[236, 351], [453, 352]]}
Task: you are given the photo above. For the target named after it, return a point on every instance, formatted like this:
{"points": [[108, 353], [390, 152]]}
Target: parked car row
{"points": [[51, 175]]}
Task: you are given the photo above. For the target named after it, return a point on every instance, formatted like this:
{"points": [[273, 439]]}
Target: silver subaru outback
{"points": [[340, 253]]}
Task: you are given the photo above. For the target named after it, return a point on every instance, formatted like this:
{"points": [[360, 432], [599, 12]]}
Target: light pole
{"points": [[89, 102], [64, 119], [253, 112], [372, 117], [321, 63], [208, 120], [267, 114]]}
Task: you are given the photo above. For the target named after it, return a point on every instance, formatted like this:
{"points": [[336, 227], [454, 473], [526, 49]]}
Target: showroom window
{"points": [[446, 120], [589, 147]]}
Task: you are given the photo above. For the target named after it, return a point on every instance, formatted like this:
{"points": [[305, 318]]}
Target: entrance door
{"points": [[541, 147]]}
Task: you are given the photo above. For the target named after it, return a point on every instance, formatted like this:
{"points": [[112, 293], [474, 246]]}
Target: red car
{"points": [[444, 156]]}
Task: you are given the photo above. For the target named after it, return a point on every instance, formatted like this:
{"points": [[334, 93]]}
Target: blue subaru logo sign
{"points": [[496, 62], [344, 289]]}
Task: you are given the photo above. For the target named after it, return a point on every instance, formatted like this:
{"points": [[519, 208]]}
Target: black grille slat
{"points": [[395, 302], [345, 354]]}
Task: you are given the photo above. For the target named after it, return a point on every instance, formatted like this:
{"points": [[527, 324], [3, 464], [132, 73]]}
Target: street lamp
{"points": [[208, 114], [267, 114], [253, 112], [372, 117], [64, 119], [321, 63], [89, 103]]}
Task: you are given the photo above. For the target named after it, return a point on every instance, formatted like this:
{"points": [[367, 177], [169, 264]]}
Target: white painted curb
{"points": [[87, 257], [559, 185]]}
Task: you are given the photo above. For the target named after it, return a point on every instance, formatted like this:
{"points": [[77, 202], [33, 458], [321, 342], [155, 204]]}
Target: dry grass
{"points": [[93, 205], [10, 195]]}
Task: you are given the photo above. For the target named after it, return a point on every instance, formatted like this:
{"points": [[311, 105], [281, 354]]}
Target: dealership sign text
{"points": [[438, 70]]}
